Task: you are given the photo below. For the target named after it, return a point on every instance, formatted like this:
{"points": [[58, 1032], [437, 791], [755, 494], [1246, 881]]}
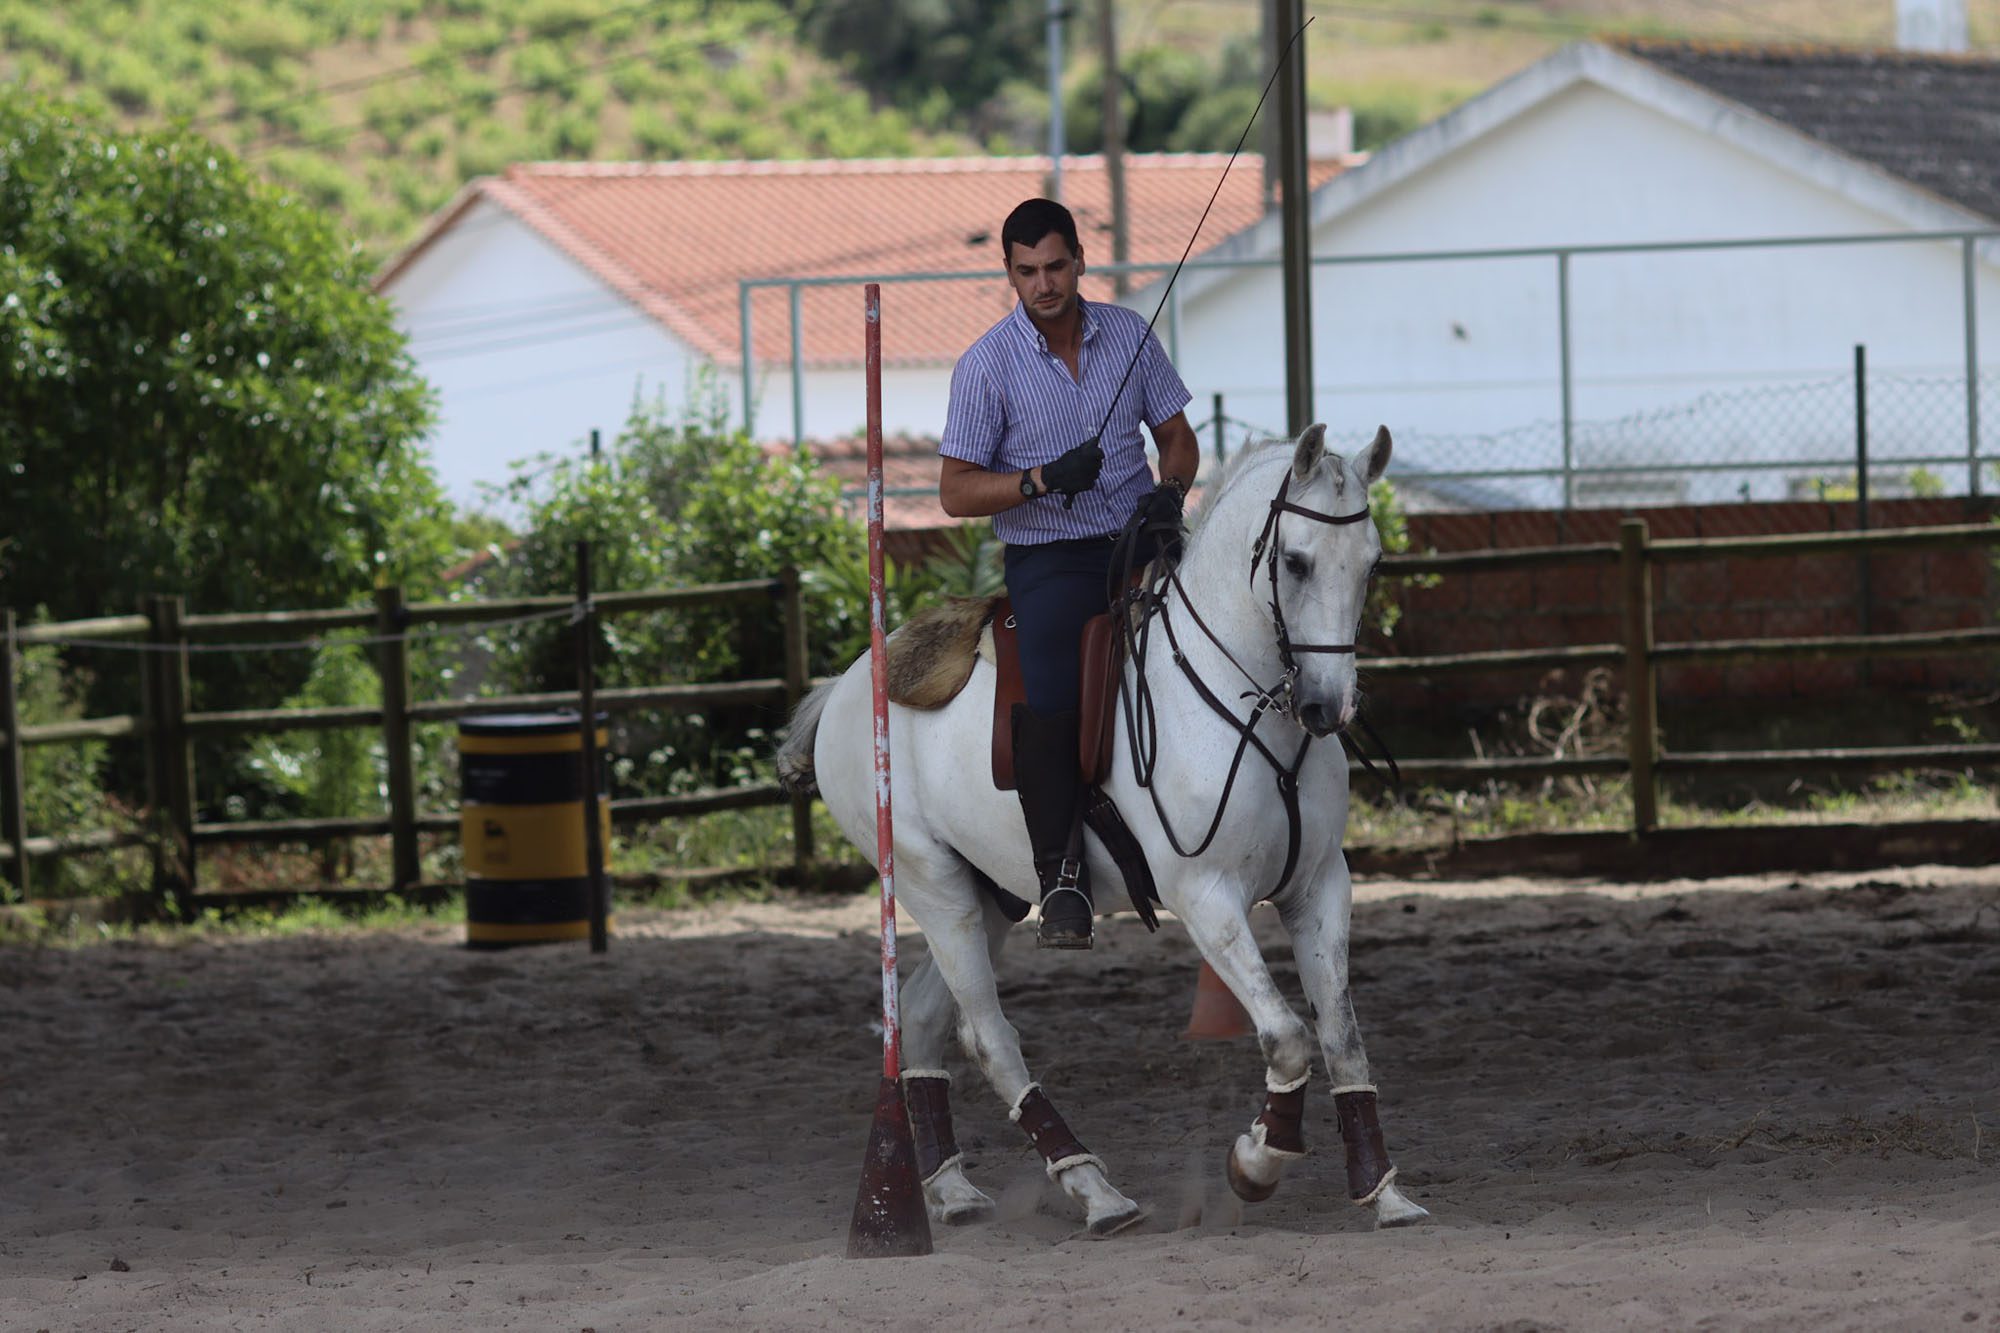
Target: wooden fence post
{"points": [[392, 661], [151, 665], [176, 752], [13, 777], [1642, 708], [796, 681]]}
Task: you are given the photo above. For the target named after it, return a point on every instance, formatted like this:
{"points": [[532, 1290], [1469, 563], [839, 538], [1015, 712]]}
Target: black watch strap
{"points": [[1028, 487]]}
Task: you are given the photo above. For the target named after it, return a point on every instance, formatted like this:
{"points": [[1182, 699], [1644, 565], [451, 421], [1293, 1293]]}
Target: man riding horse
{"points": [[1044, 407]]}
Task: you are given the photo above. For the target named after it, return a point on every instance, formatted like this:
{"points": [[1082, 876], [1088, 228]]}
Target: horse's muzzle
{"points": [[1324, 720]]}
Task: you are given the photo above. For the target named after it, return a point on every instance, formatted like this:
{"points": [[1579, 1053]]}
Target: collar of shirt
{"points": [[1026, 325]]}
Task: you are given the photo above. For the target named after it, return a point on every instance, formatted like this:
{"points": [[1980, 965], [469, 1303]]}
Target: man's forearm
{"points": [[1180, 451], [970, 491]]}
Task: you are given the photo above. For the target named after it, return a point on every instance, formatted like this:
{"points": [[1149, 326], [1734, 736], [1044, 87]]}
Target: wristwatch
{"points": [[1028, 487]]}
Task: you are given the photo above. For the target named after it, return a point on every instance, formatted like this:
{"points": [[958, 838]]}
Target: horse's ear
{"points": [[1311, 446], [1376, 461]]}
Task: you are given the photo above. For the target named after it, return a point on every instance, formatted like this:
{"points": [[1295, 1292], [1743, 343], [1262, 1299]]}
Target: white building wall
{"points": [[528, 351], [1749, 353]]}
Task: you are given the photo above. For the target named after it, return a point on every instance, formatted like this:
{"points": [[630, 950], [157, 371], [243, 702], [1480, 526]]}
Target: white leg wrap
{"points": [[1014, 1111], [1375, 1193], [1271, 1083], [927, 1073], [944, 1166], [1348, 1087], [1063, 1164]]}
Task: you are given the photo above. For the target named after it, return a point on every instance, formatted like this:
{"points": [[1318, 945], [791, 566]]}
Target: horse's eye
{"points": [[1297, 565]]}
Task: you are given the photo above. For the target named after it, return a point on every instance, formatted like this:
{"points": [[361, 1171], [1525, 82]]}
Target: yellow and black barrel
{"points": [[521, 828]]}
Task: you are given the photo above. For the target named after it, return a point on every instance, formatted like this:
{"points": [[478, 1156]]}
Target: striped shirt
{"points": [[1014, 406]]}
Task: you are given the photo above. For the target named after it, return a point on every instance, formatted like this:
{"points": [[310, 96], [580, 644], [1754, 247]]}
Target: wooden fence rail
{"points": [[169, 727]]}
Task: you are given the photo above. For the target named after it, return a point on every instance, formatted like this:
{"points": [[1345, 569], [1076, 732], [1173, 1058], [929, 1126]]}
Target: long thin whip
{"points": [[1283, 55]]}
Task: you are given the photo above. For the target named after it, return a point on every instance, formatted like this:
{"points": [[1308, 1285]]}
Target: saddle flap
{"points": [[1097, 660], [1098, 713]]}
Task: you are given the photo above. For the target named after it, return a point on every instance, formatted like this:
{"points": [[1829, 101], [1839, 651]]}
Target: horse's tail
{"points": [[795, 754]]}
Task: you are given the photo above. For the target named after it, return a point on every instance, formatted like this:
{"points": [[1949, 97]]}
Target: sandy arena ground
{"points": [[1768, 1104]]}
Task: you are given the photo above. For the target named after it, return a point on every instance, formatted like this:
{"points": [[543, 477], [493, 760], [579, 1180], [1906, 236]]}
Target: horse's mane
{"points": [[1232, 470]]}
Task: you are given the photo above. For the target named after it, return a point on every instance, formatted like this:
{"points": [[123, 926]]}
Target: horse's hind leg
{"points": [[1318, 922], [963, 947], [929, 1014]]}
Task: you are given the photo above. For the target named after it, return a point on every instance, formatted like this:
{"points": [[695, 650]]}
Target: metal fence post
{"points": [[176, 754], [1220, 425], [796, 680], [1642, 705], [1568, 388], [13, 775], [798, 375], [749, 354], [392, 661], [1969, 264]]}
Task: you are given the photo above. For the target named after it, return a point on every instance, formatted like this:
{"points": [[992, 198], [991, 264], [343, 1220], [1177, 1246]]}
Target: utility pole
{"points": [[1114, 138], [1267, 133], [1055, 22], [1295, 223]]}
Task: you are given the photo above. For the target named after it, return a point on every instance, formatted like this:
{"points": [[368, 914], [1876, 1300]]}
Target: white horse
{"points": [[1275, 615]]}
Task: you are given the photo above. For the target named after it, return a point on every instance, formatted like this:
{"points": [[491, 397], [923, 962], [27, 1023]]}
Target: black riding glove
{"points": [[1162, 516], [1075, 472]]}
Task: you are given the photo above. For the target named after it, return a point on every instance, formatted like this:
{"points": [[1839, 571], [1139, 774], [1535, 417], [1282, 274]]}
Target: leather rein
{"points": [[1137, 610]]}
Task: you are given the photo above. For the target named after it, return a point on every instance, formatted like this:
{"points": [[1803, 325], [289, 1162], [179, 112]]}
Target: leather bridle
{"points": [[1138, 608]]}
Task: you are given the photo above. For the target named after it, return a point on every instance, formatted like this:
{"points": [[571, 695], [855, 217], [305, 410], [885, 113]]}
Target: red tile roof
{"points": [[909, 463], [674, 238]]}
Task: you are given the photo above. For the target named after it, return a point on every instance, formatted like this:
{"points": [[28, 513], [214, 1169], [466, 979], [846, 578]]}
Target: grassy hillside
{"points": [[380, 109]]}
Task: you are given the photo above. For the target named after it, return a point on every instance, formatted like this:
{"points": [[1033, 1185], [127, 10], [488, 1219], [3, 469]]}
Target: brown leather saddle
{"points": [[1098, 662]]}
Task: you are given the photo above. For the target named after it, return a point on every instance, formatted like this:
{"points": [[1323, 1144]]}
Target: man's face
{"points": [[1044, 276]]}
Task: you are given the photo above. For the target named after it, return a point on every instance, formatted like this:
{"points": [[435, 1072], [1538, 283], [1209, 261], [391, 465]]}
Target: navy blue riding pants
{"points": [[1056, 587]]}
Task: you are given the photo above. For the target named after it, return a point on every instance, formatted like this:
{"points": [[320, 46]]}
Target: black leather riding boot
{"points": [[1049, 778]]}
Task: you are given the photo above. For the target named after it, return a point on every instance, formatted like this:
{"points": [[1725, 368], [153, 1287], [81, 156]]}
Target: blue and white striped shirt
{"points": [[1014, 406]]}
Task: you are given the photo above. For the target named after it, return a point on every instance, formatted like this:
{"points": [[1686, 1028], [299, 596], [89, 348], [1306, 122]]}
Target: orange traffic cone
{"points": [[1218, 1015]]}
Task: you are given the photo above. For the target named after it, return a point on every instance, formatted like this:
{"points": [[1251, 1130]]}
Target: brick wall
{"points": [[1786, 597]]}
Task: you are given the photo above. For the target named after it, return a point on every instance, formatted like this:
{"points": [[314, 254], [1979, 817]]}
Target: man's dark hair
{"points": [[1032, 220]]}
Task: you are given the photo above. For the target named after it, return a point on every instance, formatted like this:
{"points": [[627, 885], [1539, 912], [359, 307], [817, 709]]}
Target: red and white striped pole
{"points": [[889, 1216], [878, 674]]}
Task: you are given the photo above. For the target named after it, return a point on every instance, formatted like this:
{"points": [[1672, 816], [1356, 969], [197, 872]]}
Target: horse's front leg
{"points": [[1217, 922], [1317, 917]]}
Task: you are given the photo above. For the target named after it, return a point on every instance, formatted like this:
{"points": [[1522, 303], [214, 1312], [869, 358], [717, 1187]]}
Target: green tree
{"points": [[677, 500], [198, 391], [904, 49]]}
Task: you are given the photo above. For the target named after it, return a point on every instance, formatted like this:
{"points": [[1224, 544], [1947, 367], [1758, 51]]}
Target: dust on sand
{"points": [[1765, 1103]]}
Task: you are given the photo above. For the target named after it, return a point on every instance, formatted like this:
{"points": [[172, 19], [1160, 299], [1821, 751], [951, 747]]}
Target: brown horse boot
{"points": [[1049, 778]]}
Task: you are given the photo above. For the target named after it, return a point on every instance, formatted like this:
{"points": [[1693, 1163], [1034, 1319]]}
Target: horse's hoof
{"points": [[964, 1212], [954, 1200], [1244, 1188], [1394, 1209], [1114, 1222]]}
